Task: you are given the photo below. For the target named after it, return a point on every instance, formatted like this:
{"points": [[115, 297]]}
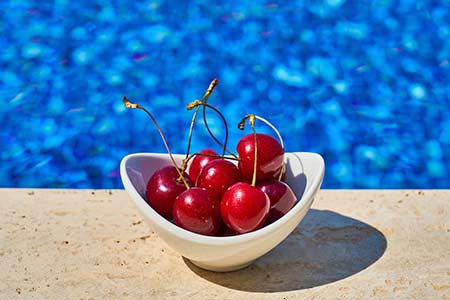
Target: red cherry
{"points": [[281, 196], [199, 161], [162, 189], [217, 176], [270, 157], [244, 208], [196, 211]]}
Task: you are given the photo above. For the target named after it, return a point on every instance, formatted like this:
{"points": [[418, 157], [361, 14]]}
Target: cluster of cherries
{"points": [[212, 195]]}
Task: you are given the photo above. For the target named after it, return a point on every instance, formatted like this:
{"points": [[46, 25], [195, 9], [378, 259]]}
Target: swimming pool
{"points": [[364, 84]]}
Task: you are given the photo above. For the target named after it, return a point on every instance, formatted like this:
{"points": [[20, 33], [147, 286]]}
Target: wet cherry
{"points": [[270, 157], [199, 161], [244, 208], [281, 196], [217, 176], [162, 189], [196, 211]]}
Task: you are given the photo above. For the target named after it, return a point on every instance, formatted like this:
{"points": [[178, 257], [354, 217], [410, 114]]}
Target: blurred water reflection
{"points": [[366, 84]]}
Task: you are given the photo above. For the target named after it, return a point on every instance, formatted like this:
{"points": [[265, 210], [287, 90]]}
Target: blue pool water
{"points": [[364, 83]]}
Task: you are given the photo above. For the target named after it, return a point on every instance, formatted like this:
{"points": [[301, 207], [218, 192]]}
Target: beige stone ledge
{"points": [[353, 244]]}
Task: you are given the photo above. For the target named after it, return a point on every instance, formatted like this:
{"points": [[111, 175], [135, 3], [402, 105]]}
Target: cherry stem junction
{"points": [[128, 104]]}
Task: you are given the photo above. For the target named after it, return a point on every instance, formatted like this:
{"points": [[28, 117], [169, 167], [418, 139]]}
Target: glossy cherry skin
{"points": [[196, 211], [270, 157], [281, 196], [217, 176], [162, 189], [244, 208], [199, 161]]}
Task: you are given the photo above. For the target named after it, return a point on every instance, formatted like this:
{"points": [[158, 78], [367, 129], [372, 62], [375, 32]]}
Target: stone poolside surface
{"points": [[353, 244]]}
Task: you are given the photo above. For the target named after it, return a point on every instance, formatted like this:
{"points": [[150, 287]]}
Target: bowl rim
{"points": [[186, 235]]}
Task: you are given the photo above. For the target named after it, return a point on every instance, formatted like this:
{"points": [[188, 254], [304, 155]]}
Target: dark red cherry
{"points": [[199, 161], [196, 211], [244, 208], [217, 176], [162, 189], [281, 196], [270, 157]]}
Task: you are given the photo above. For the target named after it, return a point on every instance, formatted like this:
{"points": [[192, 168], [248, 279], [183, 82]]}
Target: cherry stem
{"points": [[204, 101], [282, 169], [224, 145], [211, 87], [184, 164], [128, 104], [241, 126], [283, 166], [205, 97], [197, 104], [251, 120], [274, 129]]}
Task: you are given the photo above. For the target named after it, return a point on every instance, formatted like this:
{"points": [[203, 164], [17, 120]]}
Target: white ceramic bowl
{"points": [[304, 174]]}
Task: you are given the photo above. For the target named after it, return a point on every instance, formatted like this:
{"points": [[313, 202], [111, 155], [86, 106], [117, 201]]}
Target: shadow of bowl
{"points": [[326, 247]]}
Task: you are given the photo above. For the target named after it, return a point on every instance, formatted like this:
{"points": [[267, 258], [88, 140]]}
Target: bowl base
{"points": [[219, 268]]}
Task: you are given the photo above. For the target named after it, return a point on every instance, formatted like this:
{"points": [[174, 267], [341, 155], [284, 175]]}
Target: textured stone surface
{"points": [[92, 244]]}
